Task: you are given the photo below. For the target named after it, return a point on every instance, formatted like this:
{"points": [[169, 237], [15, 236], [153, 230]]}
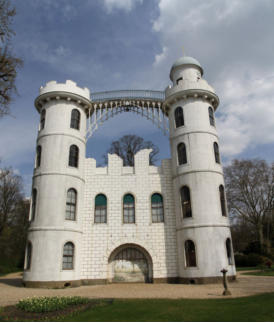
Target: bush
{"points": [[250, 260], [48, 304]]}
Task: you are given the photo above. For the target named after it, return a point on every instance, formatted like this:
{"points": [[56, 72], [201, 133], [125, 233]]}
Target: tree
{"points": [[127, 146], [250, 194], [9, 64]]}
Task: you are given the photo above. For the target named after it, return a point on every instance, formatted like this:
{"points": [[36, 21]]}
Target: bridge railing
{"points": [[128, 94]]}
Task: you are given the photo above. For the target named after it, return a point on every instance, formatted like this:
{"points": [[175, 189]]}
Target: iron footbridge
{"points": [[148, 104]]}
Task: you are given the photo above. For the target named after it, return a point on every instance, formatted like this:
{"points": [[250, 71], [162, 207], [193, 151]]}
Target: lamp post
{"points": [[226, 290]]}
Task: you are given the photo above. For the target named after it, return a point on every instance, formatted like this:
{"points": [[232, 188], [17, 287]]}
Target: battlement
{"points": [[141, 165], [69, 86]]}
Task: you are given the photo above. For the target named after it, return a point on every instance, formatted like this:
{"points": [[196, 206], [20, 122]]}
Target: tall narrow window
{"points": [[129, 209], [181, 151], [73, 156], [100, 215], [71, 204], [157, 208], [211, 116], [33, 204], [186, 203], [42, 119], [216, 153], [179, 117], [68, 255], [190, 254], [38, 156], [229, 251], [75, 119], [222, 200], [28, 255]]}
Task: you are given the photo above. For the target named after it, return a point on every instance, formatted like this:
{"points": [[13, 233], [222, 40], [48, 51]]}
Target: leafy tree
{"points": [[127, 146], [9, 64], [250, 195]]}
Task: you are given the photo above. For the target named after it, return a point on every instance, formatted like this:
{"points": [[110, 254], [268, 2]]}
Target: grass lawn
{"points": [[247, 268], [253, 308], [264, 272]]}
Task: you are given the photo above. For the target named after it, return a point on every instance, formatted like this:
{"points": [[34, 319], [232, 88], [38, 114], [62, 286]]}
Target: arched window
{"points": [[229, 251], [179, 80], [128, 209], [28, 255], [181, 151], [68, 255], [100, 215], [75, 119], [216, 153], [42, 119], [179, 117], [222, 200], [33, 204], [38, 156], [211, 116], [157, 208], [186, 203], [71, 204], [73, 156], [190, 254]]}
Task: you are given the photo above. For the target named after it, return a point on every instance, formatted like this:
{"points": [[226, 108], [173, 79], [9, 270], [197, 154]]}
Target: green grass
{"points": [[253, 308], [247, 268], [264, 272]]}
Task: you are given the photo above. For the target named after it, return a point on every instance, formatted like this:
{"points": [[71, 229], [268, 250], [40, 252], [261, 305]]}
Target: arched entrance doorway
{"points": [[130, 263]]}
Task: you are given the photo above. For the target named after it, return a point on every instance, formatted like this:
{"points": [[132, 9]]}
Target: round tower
{"points": [[53, 255], [202, 224]]}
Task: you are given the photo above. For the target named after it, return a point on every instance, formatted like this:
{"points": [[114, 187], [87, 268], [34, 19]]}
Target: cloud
{"points": [[125, 5], [233, 42]]}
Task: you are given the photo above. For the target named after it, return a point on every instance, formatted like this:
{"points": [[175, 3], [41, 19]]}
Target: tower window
{"points": [[73, 156], [68, 255], [38, 156], [190, 254], [216, 153], [28, 255], [75, 119], [181, 151], [128, 209], [100, 215], [42, 119], [179, 117], [179, 80], [33, 204], [229, 251], [211, 116], [186, 203], [222, 200], [157, 208], [71, 204]]}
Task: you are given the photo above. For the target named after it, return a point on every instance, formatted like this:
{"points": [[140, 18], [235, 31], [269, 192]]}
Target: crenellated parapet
{"points": [[68, 91]]}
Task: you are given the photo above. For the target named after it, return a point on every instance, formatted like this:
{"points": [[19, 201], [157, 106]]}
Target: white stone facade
{"points": [[97, 245]]}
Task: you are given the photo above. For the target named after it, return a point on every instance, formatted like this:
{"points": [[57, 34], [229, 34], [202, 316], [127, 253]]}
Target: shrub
{"points": [[250, 260], [48, 304]]}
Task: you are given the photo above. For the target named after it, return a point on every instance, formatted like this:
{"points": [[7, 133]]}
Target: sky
{"points": [[131, 44]]}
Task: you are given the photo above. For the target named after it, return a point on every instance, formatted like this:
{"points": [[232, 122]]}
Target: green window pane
{"points": [[128, 199], [100, 200], [156, 198]]}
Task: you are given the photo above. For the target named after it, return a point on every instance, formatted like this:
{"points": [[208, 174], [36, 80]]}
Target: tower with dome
{"points": [[94, 225]]}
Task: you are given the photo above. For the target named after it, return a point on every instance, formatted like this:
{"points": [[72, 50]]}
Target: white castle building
{"points": [[92, 225]]}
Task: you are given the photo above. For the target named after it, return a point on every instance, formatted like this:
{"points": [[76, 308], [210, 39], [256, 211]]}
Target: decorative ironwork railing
{"points": [[128, 94]]}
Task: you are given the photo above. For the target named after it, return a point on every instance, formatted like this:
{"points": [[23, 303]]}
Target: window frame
{"points": [[229, 251], [190, 203], [157, 208], [68, 255], [216, 153], [28, 256], [222, 198], [42, 119], [211, 116], [179, 117], [105, 208], [33, 204], [129, 208], [181, 154], [73, 161], [71, 204], [188, 259], [75, 119], [38, 156]]}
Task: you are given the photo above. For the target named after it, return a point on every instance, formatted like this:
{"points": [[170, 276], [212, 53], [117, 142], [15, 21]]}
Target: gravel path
{"points": [[11, 290]]}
